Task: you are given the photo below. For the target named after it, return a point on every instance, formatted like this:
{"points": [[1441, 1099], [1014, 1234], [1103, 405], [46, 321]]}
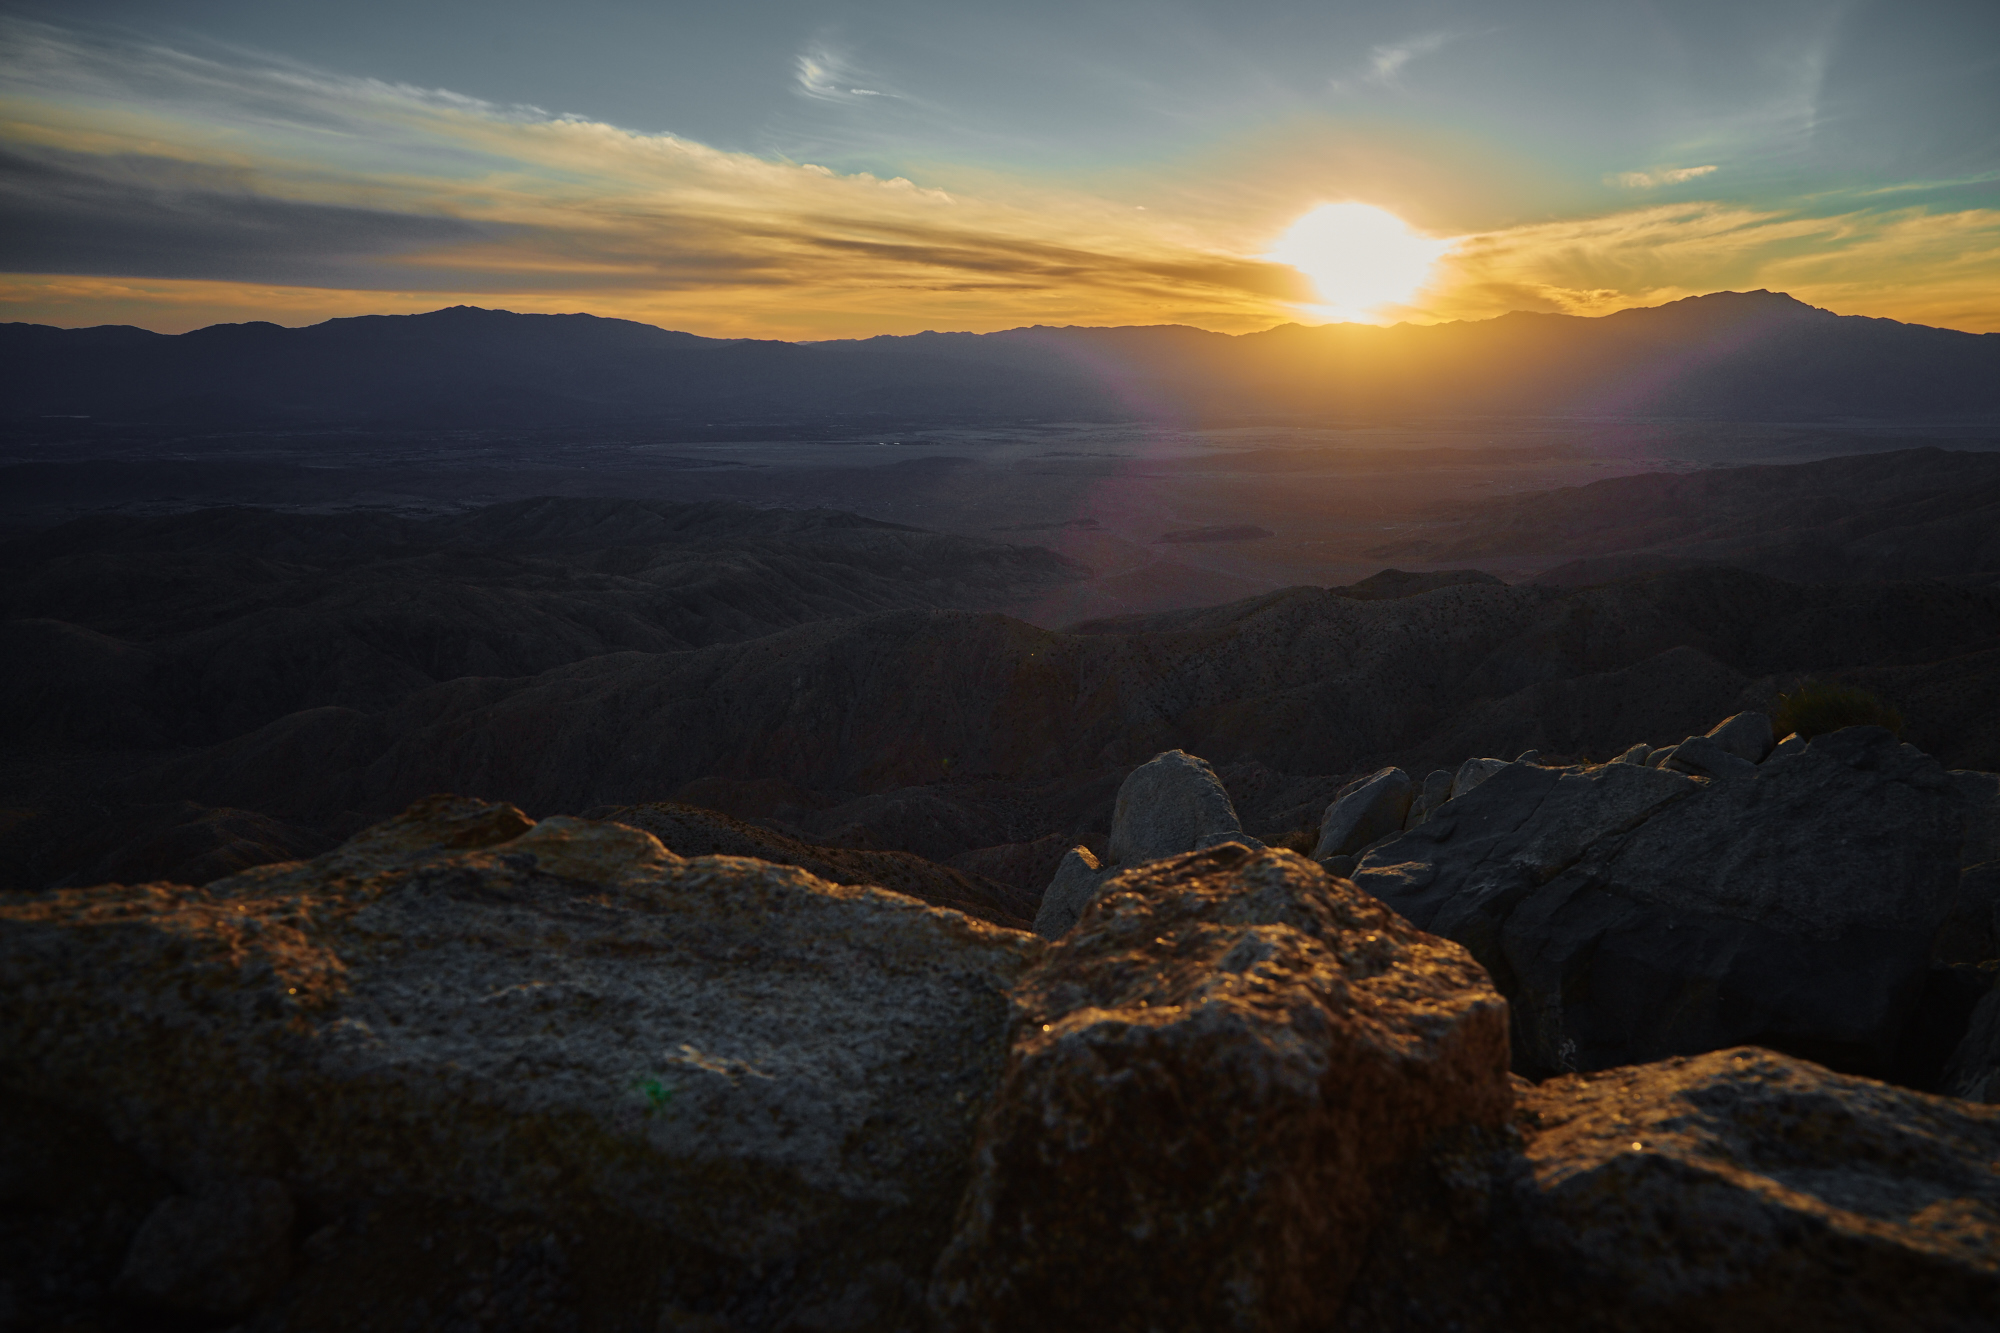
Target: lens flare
{"points": [[1360, 258]]}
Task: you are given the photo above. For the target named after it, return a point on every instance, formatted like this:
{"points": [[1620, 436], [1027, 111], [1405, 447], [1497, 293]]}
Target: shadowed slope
{"points": [[1304, 681], [214, 622]]}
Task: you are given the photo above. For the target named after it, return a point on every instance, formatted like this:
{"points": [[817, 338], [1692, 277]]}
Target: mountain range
{"points": [[1735, 355]]}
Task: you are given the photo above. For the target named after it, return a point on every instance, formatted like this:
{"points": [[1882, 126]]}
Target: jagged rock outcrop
{"points": [[1471, 773], [1714, 1192], [554, 1076], [1171, 804], [1211, 1084], [714, 1085], [1434, 793], [1706, 757], [1377, 806], [1632, 913], [1748, 736]]}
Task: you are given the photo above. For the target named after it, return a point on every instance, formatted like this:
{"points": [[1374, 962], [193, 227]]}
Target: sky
{"points": [[793, 170]]}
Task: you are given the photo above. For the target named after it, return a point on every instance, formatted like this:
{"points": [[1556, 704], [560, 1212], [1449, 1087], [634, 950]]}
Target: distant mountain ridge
{"points": [[1728, 355]]}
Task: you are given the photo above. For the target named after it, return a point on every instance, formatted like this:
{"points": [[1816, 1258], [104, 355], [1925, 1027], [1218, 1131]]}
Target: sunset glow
{"points": [[1360, 258], [937, 169]]}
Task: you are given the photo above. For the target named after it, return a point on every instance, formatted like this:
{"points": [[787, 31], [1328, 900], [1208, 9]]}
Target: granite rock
{"points": [[1378, 805], [760, 1082], [1069, 892], [1632, 913], [1734, 1191], [1172, 803], [1706, 757], [1746, 735], [1212, 1084]]}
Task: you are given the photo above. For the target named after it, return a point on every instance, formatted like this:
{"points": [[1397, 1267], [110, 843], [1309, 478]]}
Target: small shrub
{"points": [[1302, 840], [1819, 706]]}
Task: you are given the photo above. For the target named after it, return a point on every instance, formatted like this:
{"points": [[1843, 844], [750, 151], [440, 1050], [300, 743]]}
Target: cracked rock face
{"points": [[1632, 913], [1779, 1177], [1737, 1191], [766, 1082], [1211, 1082]]}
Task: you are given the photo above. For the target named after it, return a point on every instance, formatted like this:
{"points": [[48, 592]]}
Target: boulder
{"points": [[1211, 1086], [715, 1083], [1075, 883], [1725, 1192], [1471, 773], [1746, 735], [1632, 913], [1707, 1193], [1636, 755], [215, 1253], [1172, 803], [1376, 807], [1706, 757], [1436, 791]]}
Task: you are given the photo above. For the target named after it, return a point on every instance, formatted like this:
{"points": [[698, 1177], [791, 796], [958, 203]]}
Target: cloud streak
{"points": [[1387, 62], [821, 74], [1652, 180], [1908, 265], [194, 170]]}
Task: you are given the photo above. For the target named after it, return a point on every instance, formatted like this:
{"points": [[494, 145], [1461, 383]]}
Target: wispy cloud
{"points": [[824, 75], [1651, 180], [1386, 62]]}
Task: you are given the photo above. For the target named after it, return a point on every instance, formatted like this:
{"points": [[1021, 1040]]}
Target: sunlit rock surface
{"points": [[1212, 1080], [1738, 1190], [764, 1083]]}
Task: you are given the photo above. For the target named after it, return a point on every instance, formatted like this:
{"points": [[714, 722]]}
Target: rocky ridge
{"points": [[601, 1086]]}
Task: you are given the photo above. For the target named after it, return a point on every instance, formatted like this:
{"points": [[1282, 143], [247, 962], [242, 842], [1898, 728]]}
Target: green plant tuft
{"points": [[658, 1093], [1819, 706]]}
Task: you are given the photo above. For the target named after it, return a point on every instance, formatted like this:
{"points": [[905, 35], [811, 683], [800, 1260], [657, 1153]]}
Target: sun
{"points": [[1359, 257]]}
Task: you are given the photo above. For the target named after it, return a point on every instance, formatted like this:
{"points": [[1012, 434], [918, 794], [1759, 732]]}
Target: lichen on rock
{"points": [[774, 1077]]}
